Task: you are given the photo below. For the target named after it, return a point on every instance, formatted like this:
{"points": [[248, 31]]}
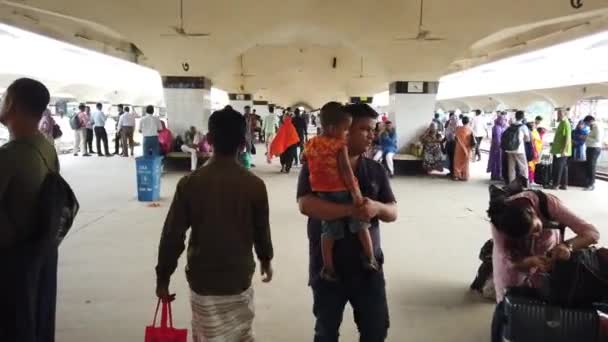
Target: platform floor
{"points": [[106, 271]]}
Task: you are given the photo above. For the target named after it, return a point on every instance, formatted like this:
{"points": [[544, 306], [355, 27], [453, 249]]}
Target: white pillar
{"points": [[411, 109], [261, 108], [239, 101], [188, 101]]}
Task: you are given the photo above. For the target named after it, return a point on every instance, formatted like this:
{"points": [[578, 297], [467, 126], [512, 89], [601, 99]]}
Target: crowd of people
{"points": [[516, 147], [344, 194]]}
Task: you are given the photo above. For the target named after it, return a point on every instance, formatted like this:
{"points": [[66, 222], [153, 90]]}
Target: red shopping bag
{"points": [[165, 333]]}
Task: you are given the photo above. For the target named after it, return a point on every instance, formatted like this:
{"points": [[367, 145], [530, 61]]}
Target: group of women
{"points": [[458, 143], [497, 161]]}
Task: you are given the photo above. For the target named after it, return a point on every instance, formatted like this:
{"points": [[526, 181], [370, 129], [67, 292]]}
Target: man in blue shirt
{"points": [[364, 290], [98, 118]]}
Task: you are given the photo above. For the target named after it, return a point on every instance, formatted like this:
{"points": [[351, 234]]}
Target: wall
{"points": [[187, 107], [411, 115]]}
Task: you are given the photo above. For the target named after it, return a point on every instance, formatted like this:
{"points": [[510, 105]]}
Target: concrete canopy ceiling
{"points": [[287, 47]]}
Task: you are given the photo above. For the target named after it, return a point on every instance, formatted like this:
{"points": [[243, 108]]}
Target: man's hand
{"points": [[560, 252], [162, 292], [540, 262], [367, 210], [266, 271]]}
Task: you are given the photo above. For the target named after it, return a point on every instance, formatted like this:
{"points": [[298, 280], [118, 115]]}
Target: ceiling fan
{"points": [[423, 35], [361, 74], [180, 31], [243, 75]]}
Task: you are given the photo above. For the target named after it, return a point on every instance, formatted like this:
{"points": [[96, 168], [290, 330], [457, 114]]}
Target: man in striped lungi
{"points": [[226, 207]]}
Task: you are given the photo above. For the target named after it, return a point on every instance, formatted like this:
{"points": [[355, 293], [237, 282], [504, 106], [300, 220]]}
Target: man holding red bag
{"points": [[227, 208]]}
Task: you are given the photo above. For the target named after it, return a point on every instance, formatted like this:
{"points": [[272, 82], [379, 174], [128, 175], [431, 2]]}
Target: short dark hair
{"points": [[30, 96], [332, 114], [120, 106], [361, 110], [99, 105], [270, 109], [150, 109], [127, 109], [477, 111], [227, 129], [437, 115], [520, 115], [465, 120], [530, 125], [82, 107], [589, 119], [516, 219], [538, 118]]}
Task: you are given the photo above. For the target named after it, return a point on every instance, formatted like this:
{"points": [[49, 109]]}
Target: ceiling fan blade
{"points": [[405, 39], [434, 39], [197, 34], [170, 35]]}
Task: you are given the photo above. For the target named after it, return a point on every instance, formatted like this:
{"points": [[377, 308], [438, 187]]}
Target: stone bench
{"points": [[181, 160], [408, 164]]}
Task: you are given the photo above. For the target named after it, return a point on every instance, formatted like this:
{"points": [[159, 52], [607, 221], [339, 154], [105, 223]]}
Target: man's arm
{"points": [[314, 207], [173, 236], [385, 208], [8, 231], [262, 241], [348, 176]]}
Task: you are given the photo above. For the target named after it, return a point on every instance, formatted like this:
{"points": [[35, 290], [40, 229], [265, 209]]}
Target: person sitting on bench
{"points": [[191, 145]]}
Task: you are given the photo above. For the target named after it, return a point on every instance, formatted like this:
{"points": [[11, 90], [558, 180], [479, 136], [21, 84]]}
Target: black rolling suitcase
{"points": [[531, 320], [543, 174], [577, 173]]}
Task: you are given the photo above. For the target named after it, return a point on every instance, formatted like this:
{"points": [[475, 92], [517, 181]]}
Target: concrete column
{"points": [[261, 108], [239, 101], [188, 101], [411, 109]]}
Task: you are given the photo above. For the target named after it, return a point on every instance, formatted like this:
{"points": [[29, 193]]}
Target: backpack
{"points": [[57, 133], [75, 122], [56, 209], [510, 138]]}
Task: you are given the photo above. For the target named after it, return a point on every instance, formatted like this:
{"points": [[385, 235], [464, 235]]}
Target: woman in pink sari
{"points": [[165, 139], [462, 153]]}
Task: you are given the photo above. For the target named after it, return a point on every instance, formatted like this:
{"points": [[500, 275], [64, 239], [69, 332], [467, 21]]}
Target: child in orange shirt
{"points": [[332, 178]]}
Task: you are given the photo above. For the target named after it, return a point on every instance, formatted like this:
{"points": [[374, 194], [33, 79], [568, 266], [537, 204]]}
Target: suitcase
{"points": [[543, 174], [531, 320], [577, 173]]}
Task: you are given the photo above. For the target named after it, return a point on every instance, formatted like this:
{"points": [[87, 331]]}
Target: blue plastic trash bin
{"points": [[149, 170]]}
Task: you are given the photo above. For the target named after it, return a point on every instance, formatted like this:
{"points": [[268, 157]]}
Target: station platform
{"points": [[107, 279]]}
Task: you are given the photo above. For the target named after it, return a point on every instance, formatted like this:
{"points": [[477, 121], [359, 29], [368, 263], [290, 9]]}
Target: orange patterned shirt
{"points": [[322, 158]]}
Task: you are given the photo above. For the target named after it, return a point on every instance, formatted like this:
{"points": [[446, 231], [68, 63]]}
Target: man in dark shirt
{"points": [[363, 289], [29, 288], [227, 208]]}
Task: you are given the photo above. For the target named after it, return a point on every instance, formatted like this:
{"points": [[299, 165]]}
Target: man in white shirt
{"points": [[191, 140], [479, 131], [595, 143], [149, 127], [517, 161], [126, 126], [98, 118], [270, 125]]}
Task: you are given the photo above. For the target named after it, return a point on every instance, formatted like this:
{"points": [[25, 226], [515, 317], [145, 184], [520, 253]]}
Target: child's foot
{"points": [[371, 265], [328, 275]]}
